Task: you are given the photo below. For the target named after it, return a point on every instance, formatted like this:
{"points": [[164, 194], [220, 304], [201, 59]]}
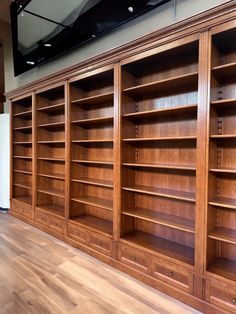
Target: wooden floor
{"points": [[39, 274]]}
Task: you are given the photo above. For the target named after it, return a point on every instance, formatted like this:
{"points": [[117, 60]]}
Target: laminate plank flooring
{"points": [[40, 274]]}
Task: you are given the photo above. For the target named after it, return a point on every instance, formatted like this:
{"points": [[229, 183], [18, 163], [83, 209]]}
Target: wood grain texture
{"points": [[39, 274]]}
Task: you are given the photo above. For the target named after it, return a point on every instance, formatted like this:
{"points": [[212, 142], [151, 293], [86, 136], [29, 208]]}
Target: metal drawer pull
{"points": [[234, 301], [134, 258], [170, 274]]}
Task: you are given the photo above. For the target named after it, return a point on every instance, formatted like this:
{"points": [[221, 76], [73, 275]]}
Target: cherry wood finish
{"points": [[133, 162]]}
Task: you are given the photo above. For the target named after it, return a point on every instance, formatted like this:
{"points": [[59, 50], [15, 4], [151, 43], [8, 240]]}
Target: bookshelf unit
{"points": [[131, 158], [91, 122], [221, 250]]}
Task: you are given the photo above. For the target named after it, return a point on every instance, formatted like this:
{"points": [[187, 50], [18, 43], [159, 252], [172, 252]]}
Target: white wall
{"points": [[4, 160]]}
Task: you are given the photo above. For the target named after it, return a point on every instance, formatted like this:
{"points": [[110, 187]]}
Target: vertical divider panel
{"points": [[202, 151], [11, 153], [117, 153], [34, 152], [67, 149]]}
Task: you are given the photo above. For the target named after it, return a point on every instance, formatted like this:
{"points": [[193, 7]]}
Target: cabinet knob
{"points": [[134, 258], [234, 301], [170, 273]]}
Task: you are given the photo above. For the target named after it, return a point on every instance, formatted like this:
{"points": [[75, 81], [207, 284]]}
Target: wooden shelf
{"points": [[224, 103], [94, 99], [52, 125], [51, 159], [93, 120], [98, 224], [167, 138], [22, 143], [222, 136], [98, 162], [22, 157], [223, 202], [24, 199], [93, 181], [54, 209], [168, 193], [23, 171], [180, 81], [168, 220], [23, 128], [54, 192], [161, 166], [223, 234], [94, 141], [94, 201], [223, 267], [174, 250], [223, 170], [162, 111], [225, 72], [52, 108], [22, 114], [23, 185], [59, 176], [51, 142]]}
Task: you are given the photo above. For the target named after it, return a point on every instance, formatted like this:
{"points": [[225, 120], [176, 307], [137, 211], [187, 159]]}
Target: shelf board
{"points": [[22, 157], [163, 138], [59, 176], [174, 250], [93, 120], [51, 125], [24, 199], [26, 113], [54, 192], [223, 202], [23, 128], [52, 108], [160, 166], [22, 143], [94, 181], [98, 224], [51, 142], [223, 170], [94, 99], [23, 185], [93, 141], [223, 267], [190, 79], [168, 220], [94, 201], [98, 162], [225, 71], [54, 209], [223, 234], [162, 111], [51, 159], [168, 193], [23, 171], [231, 102], [222, 136]]}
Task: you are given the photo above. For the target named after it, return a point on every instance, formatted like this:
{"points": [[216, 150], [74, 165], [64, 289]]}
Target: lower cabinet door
{"points": [[172, 274], [134, 258], [222, 295], [52, 222], [77, 233], [100, 243], [22, 209]]}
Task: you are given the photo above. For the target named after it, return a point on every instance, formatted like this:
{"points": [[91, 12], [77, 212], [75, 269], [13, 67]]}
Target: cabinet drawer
{"points": [[41, 217], [100, 243], [22, 208], [133, 258], [77, 233], [172, 274], [57, 224], [222, 295]]}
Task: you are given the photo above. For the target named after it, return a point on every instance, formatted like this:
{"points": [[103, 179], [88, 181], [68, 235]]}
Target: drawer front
{"points": [[172, 274], [100, 243], [222, 295], [134, 258], [42, 218], [23, 209], [77, 233], [57, 224]]}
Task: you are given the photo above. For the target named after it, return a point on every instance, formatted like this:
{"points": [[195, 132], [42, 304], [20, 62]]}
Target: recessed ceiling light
{"points": [[30, 62], [131, 9], [47, 45]]}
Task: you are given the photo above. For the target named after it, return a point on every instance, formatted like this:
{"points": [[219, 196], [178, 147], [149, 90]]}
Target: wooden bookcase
{"points": [[132, 159]]}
